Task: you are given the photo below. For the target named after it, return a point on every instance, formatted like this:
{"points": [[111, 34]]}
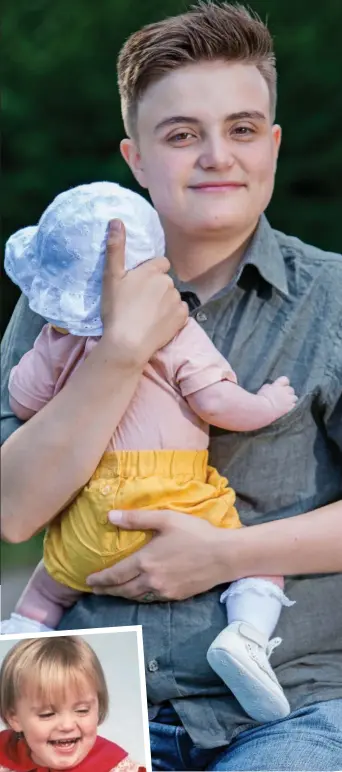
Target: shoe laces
{"points": [[272, 645]]}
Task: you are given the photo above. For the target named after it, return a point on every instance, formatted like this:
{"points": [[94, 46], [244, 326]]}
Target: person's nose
{"points": [[66, 722], [216, 153]]}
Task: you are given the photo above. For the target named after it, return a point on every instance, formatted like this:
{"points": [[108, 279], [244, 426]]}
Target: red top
{"points": [[16, 755]]}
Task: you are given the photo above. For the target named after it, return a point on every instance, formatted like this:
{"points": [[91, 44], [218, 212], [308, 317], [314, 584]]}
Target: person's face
{"points": [[206, 148], [59, 736]]}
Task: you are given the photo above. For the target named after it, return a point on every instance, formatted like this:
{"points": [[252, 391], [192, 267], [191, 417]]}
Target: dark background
{"points": [[61, 114], [62, 126]]}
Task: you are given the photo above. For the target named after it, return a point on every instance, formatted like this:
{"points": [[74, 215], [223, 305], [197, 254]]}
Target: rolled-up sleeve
{"points": [[194, 361], [23, 329]]}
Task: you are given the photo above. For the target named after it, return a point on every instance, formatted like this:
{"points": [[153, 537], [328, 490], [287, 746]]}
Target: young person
{"points": [[53, 696], [158, 454], [200, 119]]}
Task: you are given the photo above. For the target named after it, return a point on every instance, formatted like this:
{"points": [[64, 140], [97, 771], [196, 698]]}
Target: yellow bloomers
{"points": [[82, 541]]}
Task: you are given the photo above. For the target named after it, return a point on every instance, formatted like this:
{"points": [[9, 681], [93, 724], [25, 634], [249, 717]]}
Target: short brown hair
{"points": [[48, 667], [207, 32]]}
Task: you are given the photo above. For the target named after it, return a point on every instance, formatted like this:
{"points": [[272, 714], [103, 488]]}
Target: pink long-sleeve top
{"points": [[158, 416]]}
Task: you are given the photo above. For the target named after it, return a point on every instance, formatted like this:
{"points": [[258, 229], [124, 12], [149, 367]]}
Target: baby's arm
{"points": [[22, 412], [32, 381], [41, 371], [227, 405], [208, 383]]}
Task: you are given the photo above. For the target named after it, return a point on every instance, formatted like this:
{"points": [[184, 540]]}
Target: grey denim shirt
{"points": [[282, 315]]}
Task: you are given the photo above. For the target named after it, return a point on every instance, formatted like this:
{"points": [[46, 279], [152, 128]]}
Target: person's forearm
{"points": [[47, 460], [304, 544], [227, 405]]}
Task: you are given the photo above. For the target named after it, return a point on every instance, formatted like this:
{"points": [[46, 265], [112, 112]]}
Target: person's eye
{"points": [[243, 131], [82, 711], [47, 714], [180, 137]]}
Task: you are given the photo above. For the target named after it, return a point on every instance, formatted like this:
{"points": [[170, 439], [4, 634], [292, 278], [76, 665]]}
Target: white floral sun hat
{"points": [[58, 264]]}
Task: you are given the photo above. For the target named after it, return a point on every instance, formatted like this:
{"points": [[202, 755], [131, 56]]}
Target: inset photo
{"points": [[74, 701]]}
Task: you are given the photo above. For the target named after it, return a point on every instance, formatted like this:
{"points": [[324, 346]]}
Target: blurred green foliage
{"points": [[22, 555], [61, 116]]}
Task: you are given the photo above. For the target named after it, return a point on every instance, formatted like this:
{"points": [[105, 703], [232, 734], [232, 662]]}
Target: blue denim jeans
{"points": [[309, 739]]}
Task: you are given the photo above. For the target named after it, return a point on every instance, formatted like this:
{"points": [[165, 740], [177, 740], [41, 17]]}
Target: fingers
{"points": [[155, 265], [140, 520], [115, 576], [136, 589], [124, 580], [115, 254], [115, 250], [284, 381]]}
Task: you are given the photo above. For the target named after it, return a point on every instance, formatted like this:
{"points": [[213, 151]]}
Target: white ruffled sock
{"points": [[257, 602], [20, 624]]}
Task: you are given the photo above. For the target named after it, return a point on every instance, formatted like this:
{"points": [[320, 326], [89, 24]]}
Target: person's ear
{"points": [[130, 153], [276, 134], [13, 722]]}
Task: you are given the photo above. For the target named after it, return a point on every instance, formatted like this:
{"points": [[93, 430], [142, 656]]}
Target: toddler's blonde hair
{"points": [[49, 668]]}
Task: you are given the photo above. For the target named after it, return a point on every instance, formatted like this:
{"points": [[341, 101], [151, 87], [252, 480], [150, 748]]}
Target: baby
{"points": [[53, 696], [158, 455]]}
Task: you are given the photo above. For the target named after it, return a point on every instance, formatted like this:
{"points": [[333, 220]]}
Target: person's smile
{"points": [[217, 186]]}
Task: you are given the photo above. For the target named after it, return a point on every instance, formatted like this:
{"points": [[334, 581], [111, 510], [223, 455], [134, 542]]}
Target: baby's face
{"points": [[59, 736]]}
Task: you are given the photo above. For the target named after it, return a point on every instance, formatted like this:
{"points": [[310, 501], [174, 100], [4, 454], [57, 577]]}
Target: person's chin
{"points": [[64, 761], [217, 225], [64, 764], [220, 217]]}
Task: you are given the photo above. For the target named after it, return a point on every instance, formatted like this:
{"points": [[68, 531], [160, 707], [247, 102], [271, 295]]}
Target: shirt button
{"points": [[201, 317], [106, 489], [153, 666]]}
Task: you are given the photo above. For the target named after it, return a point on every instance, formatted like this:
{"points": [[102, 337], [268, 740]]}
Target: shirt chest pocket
{"points": [[274, 469]]}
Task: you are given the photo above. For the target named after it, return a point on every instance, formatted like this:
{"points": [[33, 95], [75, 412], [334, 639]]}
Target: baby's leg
{"points": [[258, 601], [44, 600], [239, 655]]}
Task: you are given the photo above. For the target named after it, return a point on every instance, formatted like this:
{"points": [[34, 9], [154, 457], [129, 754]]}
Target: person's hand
{"points": [[182, 559], [141, 309], [280, 397]]}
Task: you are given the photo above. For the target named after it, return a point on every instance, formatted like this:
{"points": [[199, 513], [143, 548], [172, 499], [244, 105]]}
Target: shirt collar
{"points": [[264, 253]]}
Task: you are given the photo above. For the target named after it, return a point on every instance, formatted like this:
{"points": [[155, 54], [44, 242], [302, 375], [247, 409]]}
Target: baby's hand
{"points": [[280, 396]]}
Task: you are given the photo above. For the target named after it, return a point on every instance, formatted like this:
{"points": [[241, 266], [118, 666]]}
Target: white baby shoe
{"points": [[239, 655], [18, 624]]}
